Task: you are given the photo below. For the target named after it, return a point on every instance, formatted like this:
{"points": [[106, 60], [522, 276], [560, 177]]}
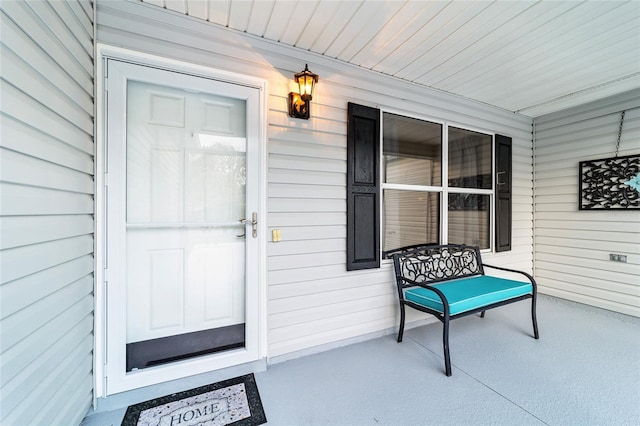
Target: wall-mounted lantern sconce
{"points": [[299, 103]]}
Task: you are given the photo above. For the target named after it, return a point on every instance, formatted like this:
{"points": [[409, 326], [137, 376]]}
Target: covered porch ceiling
{"points": [[530, 57]]}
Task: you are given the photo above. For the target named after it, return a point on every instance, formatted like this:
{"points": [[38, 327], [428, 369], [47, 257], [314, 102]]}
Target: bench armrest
{"points": [[533, 281], [406, 282]]}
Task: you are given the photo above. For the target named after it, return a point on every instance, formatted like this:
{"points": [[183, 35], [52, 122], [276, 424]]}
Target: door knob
{"points": [[254, 224]]}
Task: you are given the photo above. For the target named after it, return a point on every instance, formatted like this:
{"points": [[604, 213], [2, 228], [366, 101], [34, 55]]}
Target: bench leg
{"points": [[482, 314], [533, 317], [445, 344], [401, 329]]}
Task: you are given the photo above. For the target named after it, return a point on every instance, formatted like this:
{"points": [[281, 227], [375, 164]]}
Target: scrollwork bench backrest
{"points": [[437, 263]]}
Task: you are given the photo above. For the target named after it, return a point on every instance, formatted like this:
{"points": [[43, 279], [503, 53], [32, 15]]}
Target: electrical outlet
{"points": [[275, 235], [618, 258]]}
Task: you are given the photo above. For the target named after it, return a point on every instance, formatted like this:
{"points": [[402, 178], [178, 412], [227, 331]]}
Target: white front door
{"points": [[182, 218]]}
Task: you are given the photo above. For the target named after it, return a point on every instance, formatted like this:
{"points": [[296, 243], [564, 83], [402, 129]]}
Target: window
{"points": [[416, 180], [412, 181], [425, 183], [470, 187]]}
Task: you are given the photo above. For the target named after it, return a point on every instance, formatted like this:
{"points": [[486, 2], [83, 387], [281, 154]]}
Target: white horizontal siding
{"points": [[312, 299], [572, 247], [46, 212]]}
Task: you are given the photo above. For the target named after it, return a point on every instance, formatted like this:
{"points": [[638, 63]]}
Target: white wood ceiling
{"points": [[532, 57]]}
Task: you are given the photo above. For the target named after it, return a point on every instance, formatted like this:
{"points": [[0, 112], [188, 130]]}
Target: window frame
{"points": [[444, 189]]}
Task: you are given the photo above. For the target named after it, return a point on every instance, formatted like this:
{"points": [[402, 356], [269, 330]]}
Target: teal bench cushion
{"points": [[466, 294]]}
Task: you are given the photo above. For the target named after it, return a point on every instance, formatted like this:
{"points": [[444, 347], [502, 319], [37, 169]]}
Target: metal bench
{"points": [[449, 282]]}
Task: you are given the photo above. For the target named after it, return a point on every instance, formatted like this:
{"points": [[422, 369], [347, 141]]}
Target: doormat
{"points": [[230, 402]]}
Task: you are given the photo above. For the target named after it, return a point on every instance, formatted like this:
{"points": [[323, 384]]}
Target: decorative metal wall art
{"points": [[610, 183]]}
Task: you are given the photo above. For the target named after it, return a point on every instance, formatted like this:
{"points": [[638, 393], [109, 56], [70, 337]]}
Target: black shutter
{"points": [[363, 187], [503, 193]]}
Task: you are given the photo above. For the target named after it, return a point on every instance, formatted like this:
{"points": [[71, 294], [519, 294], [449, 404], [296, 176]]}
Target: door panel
{"points": [[182, 154], [183, 281], [188, 151]]}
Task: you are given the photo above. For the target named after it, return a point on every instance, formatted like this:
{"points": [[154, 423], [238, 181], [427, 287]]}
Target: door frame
{"points": [[202, 364]]}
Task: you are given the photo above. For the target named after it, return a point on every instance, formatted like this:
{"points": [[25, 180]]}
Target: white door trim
{"points": [[199, 365]]}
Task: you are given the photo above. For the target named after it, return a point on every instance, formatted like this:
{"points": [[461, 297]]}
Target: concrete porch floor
{"points": [[584, 370]]}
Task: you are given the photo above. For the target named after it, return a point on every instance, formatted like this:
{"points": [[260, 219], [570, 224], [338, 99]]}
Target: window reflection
{"points": [[469, 159], [410, 217], [412, 150], [469, 219], [412, 157]]}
